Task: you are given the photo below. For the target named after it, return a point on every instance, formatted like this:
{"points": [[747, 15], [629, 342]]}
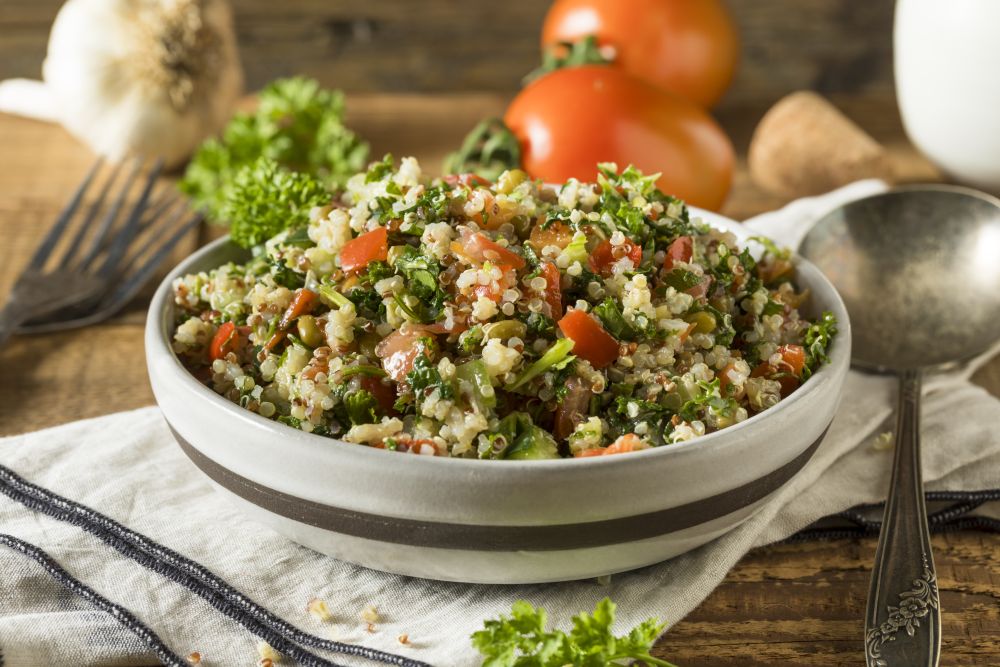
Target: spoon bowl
{"points": [[919, 270]]}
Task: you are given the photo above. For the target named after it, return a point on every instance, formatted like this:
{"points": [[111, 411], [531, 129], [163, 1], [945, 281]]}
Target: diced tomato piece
{"points": [[480, 248], [687, 332], [468, 180], [793, 360], [384, 393], [303, 302], [680, 250], [398, 351], [590, 340], [423, 447], [369, 247], [492, 217], [604, 256], [789, 370], [553, 290], [587, 453], [557, 234], [489, 291], [795, 357], [224, 341], [572, 408], [494, 290], [629, 442], [458, 326], [701, 289]]}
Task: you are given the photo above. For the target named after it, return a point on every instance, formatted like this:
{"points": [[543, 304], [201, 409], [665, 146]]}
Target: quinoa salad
{"points": [[509, 320]]}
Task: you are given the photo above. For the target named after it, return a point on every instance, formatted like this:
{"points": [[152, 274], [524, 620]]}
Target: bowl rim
{"points": [[839, 356]]}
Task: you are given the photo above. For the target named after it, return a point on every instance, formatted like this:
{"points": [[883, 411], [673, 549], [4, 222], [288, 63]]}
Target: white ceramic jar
{"points": [[947, 66]]}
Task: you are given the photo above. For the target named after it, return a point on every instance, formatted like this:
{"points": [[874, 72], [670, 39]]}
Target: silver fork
{"points": [[112, 253]]}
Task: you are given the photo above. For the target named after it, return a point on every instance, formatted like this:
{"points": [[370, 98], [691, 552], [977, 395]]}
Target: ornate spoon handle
{"points": [[903, 618]]}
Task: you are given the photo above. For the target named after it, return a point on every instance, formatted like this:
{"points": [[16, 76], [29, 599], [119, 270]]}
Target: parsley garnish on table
{"points": [[522, 640]]}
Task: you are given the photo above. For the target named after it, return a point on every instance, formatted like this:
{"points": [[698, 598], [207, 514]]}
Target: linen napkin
{"points": [[126, 467]]}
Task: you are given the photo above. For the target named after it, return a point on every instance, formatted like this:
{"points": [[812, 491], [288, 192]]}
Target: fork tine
{"points": [[95, 208], [97, 242], [153, 237], [124, 237], [163, 203], [52, 238], [124, 293]]}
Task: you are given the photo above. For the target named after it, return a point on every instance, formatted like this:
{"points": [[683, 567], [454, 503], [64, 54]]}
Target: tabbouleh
{"points": [[507, 320]]}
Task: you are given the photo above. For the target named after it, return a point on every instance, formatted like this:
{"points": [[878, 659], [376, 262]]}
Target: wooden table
{"points": [[788, 604]]}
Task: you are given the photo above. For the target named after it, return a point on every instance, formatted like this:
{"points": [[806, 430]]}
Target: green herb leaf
{"points": [[522, 640], [265, 199], [360, 369], [555, 357], [424, 378], [681, 279], [474, 380], [613, 320], [361, 407], [569, 54], [772, 248], [297, 124], [487, 151], [518, 438], [816, 341]]}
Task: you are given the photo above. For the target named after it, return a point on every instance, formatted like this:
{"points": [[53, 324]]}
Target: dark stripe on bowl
{"points": [[475, 537]]}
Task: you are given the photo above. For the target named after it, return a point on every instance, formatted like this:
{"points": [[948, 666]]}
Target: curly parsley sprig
{"points": [[266, 199], [522, 640], [297, 124]]}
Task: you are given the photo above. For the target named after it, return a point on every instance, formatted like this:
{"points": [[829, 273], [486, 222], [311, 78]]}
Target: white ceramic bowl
{"points": [[492, 521]]}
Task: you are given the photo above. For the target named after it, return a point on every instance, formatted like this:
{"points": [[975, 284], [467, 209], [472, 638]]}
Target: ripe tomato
{"points": [[570, 119], [688, 47]]}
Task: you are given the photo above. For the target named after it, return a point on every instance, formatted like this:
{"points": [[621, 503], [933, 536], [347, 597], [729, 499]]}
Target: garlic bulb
{"points": [[148, 77]]}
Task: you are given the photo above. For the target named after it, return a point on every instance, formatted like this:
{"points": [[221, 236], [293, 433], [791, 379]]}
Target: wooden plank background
{"points": [[834, 46]]}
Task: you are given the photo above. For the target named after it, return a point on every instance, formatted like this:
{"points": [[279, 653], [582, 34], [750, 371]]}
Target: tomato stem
{"points": [[487, 151], [571, 54]]}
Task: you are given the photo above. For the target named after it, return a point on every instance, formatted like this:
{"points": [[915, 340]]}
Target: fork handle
{"points": [[903, 618]]}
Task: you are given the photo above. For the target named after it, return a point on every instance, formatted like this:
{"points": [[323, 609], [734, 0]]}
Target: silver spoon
{"points": [[919, 270]]}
